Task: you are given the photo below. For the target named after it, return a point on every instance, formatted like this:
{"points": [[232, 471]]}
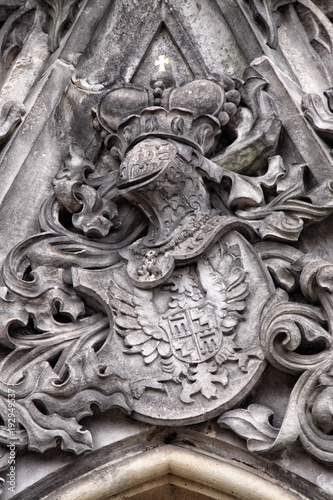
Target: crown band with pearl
{"points": [[193, 113]]}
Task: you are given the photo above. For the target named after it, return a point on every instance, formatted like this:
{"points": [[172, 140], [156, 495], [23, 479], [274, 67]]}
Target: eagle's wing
{"points": [[224, 281], [136, 319]]}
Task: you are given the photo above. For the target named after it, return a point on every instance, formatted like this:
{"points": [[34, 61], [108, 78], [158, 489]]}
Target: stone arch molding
{"points": [[149, 472]]}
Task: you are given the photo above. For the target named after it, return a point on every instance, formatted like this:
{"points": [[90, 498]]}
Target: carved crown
{"points": [[193, 113]]}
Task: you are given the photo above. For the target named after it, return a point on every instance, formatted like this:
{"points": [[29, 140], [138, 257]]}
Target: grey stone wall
{"points": [[166, 246]]}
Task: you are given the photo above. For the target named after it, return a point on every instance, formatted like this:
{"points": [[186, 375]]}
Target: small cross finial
{"points": [[161, 61]]}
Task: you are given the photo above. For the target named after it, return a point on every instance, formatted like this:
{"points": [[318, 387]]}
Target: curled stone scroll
{"points": [[165, 286]]}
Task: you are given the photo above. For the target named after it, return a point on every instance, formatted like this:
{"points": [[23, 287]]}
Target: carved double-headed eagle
{"points": [[188, 321]]}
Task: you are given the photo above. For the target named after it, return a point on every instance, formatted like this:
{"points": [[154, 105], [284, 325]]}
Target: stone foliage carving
{"points": [[285, 327], [10, 116], [267, 12], [320, 114], [165, 286], [60, 15]]}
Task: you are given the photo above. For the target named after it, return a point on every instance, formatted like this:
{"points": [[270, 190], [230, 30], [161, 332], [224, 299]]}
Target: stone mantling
{"points": [[166, 245]]}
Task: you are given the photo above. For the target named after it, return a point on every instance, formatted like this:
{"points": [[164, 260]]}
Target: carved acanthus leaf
{"points": [[11, 312], [246, 191], [44, 319], [257, 127], [296, 338], [320, 117], [315, 412], [61, 14], [267, 12], [283, 218], [286, 326], [94, 219], [48, 408], [47, 295], [251, 424], [279, 259], [92, 214], [309, 417], [202, 379]]}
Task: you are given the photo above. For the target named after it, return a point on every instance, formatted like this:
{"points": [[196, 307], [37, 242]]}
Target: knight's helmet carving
{"points": [[192, 114]]}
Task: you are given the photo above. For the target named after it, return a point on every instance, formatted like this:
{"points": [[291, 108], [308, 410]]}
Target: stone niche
{"points": [[166, 249]]}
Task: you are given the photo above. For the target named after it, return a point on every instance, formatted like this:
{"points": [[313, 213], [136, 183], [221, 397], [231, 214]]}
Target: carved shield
{"points": [[190, 346], [193, 332]]}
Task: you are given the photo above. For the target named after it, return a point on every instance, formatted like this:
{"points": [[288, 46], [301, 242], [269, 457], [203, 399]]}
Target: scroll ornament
{"points": [[296, 338], [320, 114], [267, 12], [146, 287]]}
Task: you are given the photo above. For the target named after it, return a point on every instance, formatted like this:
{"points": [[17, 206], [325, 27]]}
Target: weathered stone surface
{"points": [[165, 180]]}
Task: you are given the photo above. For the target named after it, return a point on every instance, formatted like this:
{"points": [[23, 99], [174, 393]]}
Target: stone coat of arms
{"points": [[159, 283]]}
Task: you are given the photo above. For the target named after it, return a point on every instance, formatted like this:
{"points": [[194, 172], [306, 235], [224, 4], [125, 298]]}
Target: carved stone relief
{"points": [[141, 291], [268, 14], [167, 273], [21, 23], [320, 114]]}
